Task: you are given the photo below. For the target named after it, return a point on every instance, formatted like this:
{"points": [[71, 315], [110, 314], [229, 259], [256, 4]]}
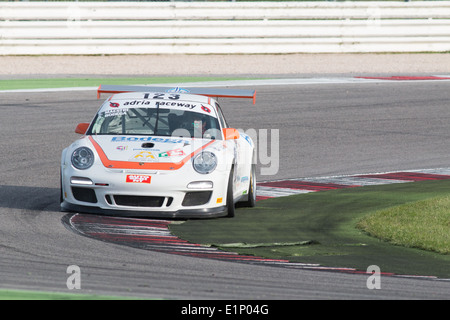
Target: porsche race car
{"points": [[159, 152]]}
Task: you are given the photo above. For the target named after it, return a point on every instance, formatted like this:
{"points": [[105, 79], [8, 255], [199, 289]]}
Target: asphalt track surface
{"points": [[328, 129]]}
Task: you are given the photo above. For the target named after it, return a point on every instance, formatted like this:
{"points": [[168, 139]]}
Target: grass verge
{"points": [[321, 228], [95, 82], [423, 224], [38, 295]]}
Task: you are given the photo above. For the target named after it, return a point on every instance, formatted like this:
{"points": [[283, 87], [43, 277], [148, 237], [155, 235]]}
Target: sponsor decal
{"points": [[114, 112], [172, 153], [137, 178], [247, 138], [148, 139], [178, 90], [137, 103], [122, 148], [206, 109], [189, 106], [114, 104], [144, 156], [146, 149]]}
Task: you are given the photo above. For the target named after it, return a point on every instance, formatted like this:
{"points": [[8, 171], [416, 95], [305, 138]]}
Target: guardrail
{"points": [[35, 28]]}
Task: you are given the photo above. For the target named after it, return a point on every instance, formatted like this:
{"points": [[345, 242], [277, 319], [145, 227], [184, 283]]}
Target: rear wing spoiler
{"points": [[209, 92]]}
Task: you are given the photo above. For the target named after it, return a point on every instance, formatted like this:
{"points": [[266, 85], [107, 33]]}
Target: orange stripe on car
{"points": [[113, 164]]}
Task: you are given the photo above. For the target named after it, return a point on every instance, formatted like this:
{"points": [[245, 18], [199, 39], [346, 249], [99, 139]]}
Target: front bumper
{"points": [[166, 196], [182, 214]]}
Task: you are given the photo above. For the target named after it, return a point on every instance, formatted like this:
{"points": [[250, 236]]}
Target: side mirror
{"points": [[230, 134], [82, 128]]}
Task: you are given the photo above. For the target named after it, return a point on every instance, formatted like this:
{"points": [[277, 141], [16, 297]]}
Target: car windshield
{"points": [[156, 122]]}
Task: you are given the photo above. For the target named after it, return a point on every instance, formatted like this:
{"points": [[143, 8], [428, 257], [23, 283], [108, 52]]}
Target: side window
{"points": [[222, 120]]}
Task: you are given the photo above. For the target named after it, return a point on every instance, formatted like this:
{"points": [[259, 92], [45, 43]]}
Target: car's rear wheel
{"points": [[230, 197], [251, 201], [61, 196]]}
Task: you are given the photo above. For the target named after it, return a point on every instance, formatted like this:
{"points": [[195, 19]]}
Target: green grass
{"points": [[321, 228], [94, 82], [423, 224], [38, 295]]}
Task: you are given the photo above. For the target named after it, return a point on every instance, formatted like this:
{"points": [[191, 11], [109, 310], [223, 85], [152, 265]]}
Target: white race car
{"points": [[159, 152]]}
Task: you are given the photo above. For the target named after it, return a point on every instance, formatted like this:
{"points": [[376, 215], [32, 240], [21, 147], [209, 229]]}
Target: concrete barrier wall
{"points": [[36, 28]]}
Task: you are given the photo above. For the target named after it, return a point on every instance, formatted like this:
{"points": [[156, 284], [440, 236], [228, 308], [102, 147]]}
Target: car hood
{"points": [[148, 149]]}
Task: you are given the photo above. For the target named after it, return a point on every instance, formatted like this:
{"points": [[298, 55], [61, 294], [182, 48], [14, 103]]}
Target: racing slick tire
{"points": [[230, 198], [61, 196], [251, 201]]}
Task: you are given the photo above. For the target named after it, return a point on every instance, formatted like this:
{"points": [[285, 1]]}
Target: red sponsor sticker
{"points": [[172, 153], [206, 109], [176, 152], [137, 178]]}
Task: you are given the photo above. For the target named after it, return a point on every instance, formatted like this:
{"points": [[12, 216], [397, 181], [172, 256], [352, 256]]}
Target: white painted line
{"points": [[441, 171], [278, 192], [353, 181]]}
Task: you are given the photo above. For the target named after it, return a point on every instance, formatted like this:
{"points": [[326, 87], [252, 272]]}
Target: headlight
{"points": [[82, 158], [205, 162]]}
